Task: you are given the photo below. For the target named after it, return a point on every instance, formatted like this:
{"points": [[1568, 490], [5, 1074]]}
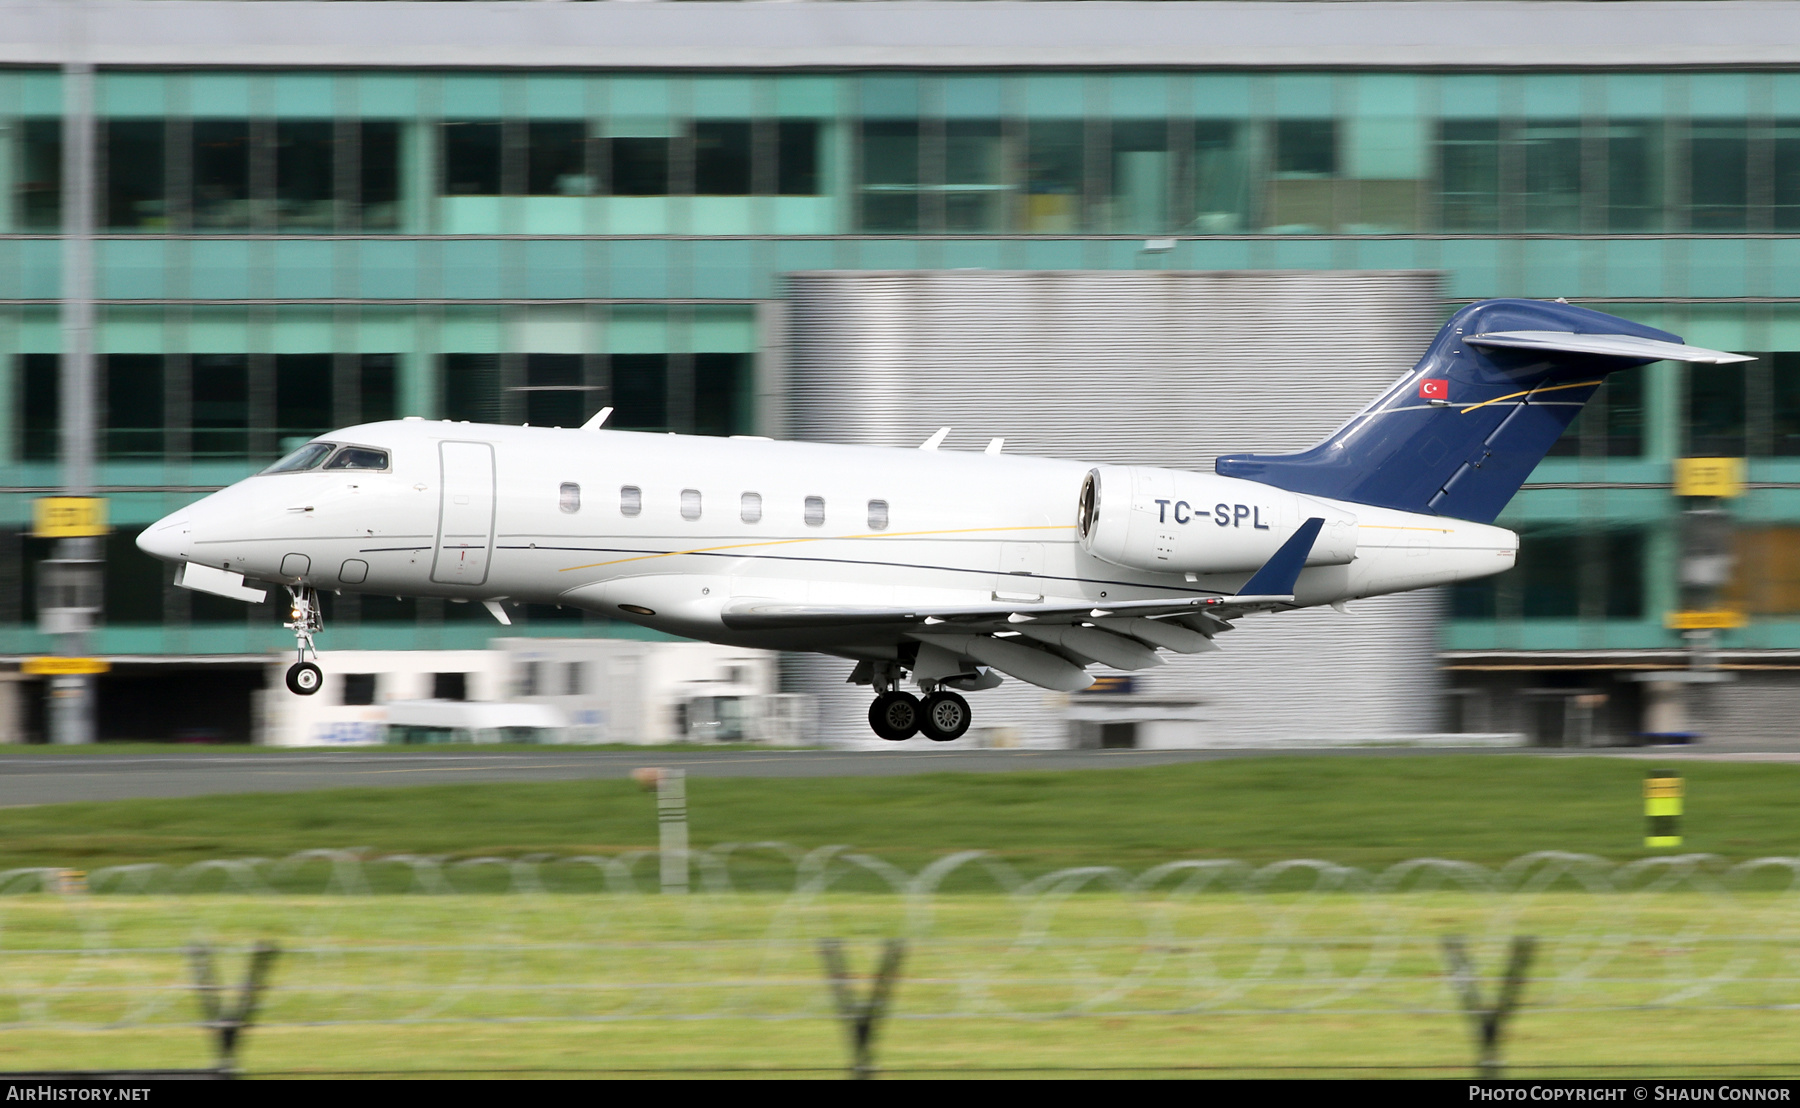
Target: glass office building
{"points": [[296, 239]]}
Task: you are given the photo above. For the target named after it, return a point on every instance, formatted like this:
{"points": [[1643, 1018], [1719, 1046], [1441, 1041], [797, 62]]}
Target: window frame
{"points": [[344, 448]]}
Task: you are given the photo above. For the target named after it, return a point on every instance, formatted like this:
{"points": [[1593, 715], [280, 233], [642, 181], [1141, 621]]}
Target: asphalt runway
{"points": [[45, 778]]}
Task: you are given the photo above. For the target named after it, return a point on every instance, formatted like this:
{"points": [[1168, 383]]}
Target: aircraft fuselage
{"points": [[667, 530]]}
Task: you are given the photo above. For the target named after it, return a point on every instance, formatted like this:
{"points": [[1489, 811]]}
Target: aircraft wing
{"points": [[1269, 588], [751, 614]]}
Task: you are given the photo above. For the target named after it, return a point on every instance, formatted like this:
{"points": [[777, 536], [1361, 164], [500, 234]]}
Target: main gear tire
{"points": [[895, 716], [304, 679], [944, 717]]}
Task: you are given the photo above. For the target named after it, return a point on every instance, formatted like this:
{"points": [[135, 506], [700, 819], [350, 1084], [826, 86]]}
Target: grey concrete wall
{"points": [[1148, 368]]}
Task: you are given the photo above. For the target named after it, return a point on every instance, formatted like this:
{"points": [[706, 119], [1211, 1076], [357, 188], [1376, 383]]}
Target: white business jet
{"points": [[948, 569]]}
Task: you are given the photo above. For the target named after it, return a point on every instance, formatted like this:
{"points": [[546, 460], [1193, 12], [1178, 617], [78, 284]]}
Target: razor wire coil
{"points": [[406, 938]]}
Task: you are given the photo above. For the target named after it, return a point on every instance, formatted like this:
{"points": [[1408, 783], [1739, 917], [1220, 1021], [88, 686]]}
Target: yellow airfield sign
{"points": [[68, 517], [1705, 621], [1709, 477], [65, 667]]}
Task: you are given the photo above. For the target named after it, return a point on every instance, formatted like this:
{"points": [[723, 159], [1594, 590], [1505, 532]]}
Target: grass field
{"points": [[1216, 984], [1368, 811], [594, 983]]}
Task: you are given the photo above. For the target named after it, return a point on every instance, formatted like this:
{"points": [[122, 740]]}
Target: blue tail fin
{"points": [[1460, 433]]}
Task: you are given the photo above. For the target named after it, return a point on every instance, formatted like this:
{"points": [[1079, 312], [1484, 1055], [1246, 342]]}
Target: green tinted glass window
{"points": [[1552, 157], [1141, 177], [305, 174], [1718, 176], [221, 175], [1469, 166], [974, 189], [1716, 411], [890, 175], [135, 169], [134, 405], [1634, 175], [1053, 176]]}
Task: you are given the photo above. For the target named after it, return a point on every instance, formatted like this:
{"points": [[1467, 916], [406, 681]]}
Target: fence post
{"points": [[671, 816], [1489, 1022], [862, 1016], [230, 1023]]}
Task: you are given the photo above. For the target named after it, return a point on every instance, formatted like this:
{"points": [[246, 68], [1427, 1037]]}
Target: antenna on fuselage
{"points": [[595, 420], [936, 440]]}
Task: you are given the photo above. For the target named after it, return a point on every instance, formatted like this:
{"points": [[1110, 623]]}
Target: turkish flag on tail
{"points": [[1434, 388]]}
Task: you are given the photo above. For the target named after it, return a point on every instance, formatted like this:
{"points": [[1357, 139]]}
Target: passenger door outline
{"points": [[466, 508]]}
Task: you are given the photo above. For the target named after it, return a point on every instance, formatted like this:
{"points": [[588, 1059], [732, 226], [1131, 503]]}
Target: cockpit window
{"points": [[307, 457], [358, 457]]}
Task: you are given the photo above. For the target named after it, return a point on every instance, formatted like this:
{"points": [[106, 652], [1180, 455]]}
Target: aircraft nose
{"points": [[168, 537]]}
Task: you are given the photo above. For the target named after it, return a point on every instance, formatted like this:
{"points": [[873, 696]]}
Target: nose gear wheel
{"points": [[304, 677]]}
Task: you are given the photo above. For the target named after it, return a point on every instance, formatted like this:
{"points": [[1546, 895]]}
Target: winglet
{"points": [[596, 420], [936, 440], [1282, 570]]}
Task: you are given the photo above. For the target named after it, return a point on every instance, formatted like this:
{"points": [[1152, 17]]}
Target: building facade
{"points": [[310, 215]]}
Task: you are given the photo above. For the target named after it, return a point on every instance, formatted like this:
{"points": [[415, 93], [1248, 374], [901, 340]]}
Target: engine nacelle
{"points": [[1166, 520]]}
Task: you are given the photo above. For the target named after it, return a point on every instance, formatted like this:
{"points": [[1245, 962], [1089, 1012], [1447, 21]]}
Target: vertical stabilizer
{"points": [[1459, 434]]}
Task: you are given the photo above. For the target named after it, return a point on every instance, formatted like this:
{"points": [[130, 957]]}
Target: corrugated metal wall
{"points": [[1153, 368]]}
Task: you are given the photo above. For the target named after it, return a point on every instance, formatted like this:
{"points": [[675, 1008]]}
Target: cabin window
{"points": [[878, 515], [750, 507], [690, 503], [569, 498], [815, 511], [631, 500], [358, 457]]}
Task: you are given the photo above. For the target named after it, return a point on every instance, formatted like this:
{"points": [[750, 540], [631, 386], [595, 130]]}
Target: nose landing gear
{"points": [[303, 677]]}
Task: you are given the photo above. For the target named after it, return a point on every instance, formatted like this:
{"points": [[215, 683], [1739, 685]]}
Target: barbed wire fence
{"points": [[770, 930]]}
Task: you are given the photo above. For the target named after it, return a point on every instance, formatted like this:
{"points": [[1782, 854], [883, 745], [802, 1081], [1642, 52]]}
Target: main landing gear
{"points": [[303, 677], [943, 716]]}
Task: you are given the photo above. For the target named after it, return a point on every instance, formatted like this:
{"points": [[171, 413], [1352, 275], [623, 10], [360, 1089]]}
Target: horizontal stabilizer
{"points": [[1616, 346]]}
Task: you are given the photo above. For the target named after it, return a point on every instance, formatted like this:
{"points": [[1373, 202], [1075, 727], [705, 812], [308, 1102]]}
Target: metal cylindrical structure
{"points": [[1151, 368], [71, 713]]}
